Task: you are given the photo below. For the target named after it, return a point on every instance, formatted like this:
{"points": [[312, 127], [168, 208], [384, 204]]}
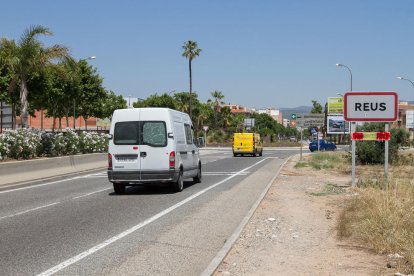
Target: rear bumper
{"points": [[137, 177]]}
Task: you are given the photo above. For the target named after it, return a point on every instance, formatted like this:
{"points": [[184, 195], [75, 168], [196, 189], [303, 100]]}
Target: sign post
{"points": [[205, 135], [370, 107]]}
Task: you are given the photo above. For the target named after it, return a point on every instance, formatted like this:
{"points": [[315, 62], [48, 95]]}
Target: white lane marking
{"points": [[102, 245], [30, 210], [91, 193], [44, 184], [222, 173]]}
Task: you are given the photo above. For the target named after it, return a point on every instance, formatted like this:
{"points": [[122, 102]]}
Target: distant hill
{"points": [[300, 109]]}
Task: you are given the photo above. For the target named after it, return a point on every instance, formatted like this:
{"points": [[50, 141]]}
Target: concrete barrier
{"points": [[22, 171]]}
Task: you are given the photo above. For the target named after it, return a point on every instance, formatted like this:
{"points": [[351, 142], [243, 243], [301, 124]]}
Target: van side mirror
{"points": [[170, 135], [110, 136]]}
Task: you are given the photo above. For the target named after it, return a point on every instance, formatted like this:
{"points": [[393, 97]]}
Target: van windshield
{"points": [[151, 133]]}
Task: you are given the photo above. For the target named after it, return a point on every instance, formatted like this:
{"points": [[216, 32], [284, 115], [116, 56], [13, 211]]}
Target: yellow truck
{"points": [[247, 143]]}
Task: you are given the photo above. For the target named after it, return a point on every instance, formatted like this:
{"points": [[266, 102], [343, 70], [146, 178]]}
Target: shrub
{"points": [[23, 143], [372, 152], [27, 143]]}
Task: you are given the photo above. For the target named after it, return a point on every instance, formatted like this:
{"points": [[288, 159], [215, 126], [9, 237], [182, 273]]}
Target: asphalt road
{"points": [[77, 226]]}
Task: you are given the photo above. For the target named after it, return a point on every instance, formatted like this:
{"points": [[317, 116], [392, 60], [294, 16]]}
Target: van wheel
{"points": [[261, 153], [119, 188], [254, 153], [178, 185], [197, 179]]}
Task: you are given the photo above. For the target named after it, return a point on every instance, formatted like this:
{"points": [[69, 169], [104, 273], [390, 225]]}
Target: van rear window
{"points": [[151, 133]]}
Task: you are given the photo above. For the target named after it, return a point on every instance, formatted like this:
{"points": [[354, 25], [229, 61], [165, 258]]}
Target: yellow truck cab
{"points": [[247, 143]]}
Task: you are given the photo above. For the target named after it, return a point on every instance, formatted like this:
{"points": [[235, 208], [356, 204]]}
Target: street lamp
{"points": [[401, 78], [74, 99], [129, 101], [350, 72]]}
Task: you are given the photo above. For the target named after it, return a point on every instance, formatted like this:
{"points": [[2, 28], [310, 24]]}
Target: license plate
{"points": [[126, 160]]}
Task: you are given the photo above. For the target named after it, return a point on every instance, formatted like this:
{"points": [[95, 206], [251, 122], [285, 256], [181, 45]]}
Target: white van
{"points": [[152, 145]]}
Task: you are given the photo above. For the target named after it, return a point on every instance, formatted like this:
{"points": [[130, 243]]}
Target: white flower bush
{"points": [[26, 143]]}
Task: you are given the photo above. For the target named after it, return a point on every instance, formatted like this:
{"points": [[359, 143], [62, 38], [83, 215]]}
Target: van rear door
{"points": [[155, 146], [243, 142], [125, 148]]}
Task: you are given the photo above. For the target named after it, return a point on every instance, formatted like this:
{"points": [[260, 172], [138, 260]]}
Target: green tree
{"points": [[155, 100], [191, 51], [216, 103], [372, 152], [226, 117], [317, 108], [111, 103], [92, 95], [27, 57]]}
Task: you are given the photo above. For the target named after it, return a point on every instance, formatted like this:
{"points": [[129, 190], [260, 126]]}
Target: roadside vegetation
{"points": [[377, 214], [27, 144]]}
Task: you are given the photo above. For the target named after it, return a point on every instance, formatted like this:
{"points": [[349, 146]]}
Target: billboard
{"points": [[337, 125], [335, 105]]}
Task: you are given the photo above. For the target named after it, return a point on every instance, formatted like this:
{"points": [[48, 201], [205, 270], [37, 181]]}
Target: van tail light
{"points": [[109, 161], [232, 142], [172, 160]]}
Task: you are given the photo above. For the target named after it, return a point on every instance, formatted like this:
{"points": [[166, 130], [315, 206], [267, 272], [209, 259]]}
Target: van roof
{"points": [[147, 109]]}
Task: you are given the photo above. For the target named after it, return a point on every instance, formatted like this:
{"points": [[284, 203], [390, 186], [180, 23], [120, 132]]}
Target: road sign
{"points": [[409, 119], [249, 122], [293, 123], [293, 116], [205, 128], [371, 136], [371, 106], [310, 119]]}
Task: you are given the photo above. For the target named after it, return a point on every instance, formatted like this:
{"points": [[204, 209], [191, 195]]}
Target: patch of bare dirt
{"points": [[293, 231]]}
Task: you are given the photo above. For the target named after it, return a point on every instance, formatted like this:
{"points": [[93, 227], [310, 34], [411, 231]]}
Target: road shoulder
{"points": [[293, 232]]}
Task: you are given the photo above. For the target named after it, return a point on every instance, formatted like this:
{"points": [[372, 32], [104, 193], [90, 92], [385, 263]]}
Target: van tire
{"points": [[254, 153], [197, 178], [119, 188], [261, 153], [178, 185]]}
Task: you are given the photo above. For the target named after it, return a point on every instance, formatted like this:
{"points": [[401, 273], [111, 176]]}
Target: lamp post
{"points": [[401, 78], [353, 126], [350, 72], [129, 101], [74, 99]]}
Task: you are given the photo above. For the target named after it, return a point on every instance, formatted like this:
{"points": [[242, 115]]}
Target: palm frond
{"points": [[29, 35]]}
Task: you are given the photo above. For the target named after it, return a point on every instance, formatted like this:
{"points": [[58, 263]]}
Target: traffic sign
{"points": [[293, 123], [293, 116], [205, 128], [371, 136], [371, 106]]}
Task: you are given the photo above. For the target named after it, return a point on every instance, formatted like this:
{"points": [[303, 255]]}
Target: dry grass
{"points": [[378, 215], [337, 161], [382, 218]]}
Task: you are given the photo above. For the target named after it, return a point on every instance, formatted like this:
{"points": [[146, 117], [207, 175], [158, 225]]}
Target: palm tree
{"points": [[216, 104], [191, 51], [29, 56]]}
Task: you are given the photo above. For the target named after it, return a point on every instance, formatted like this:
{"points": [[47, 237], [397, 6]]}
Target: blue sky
{"points": [[258, 53]]}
